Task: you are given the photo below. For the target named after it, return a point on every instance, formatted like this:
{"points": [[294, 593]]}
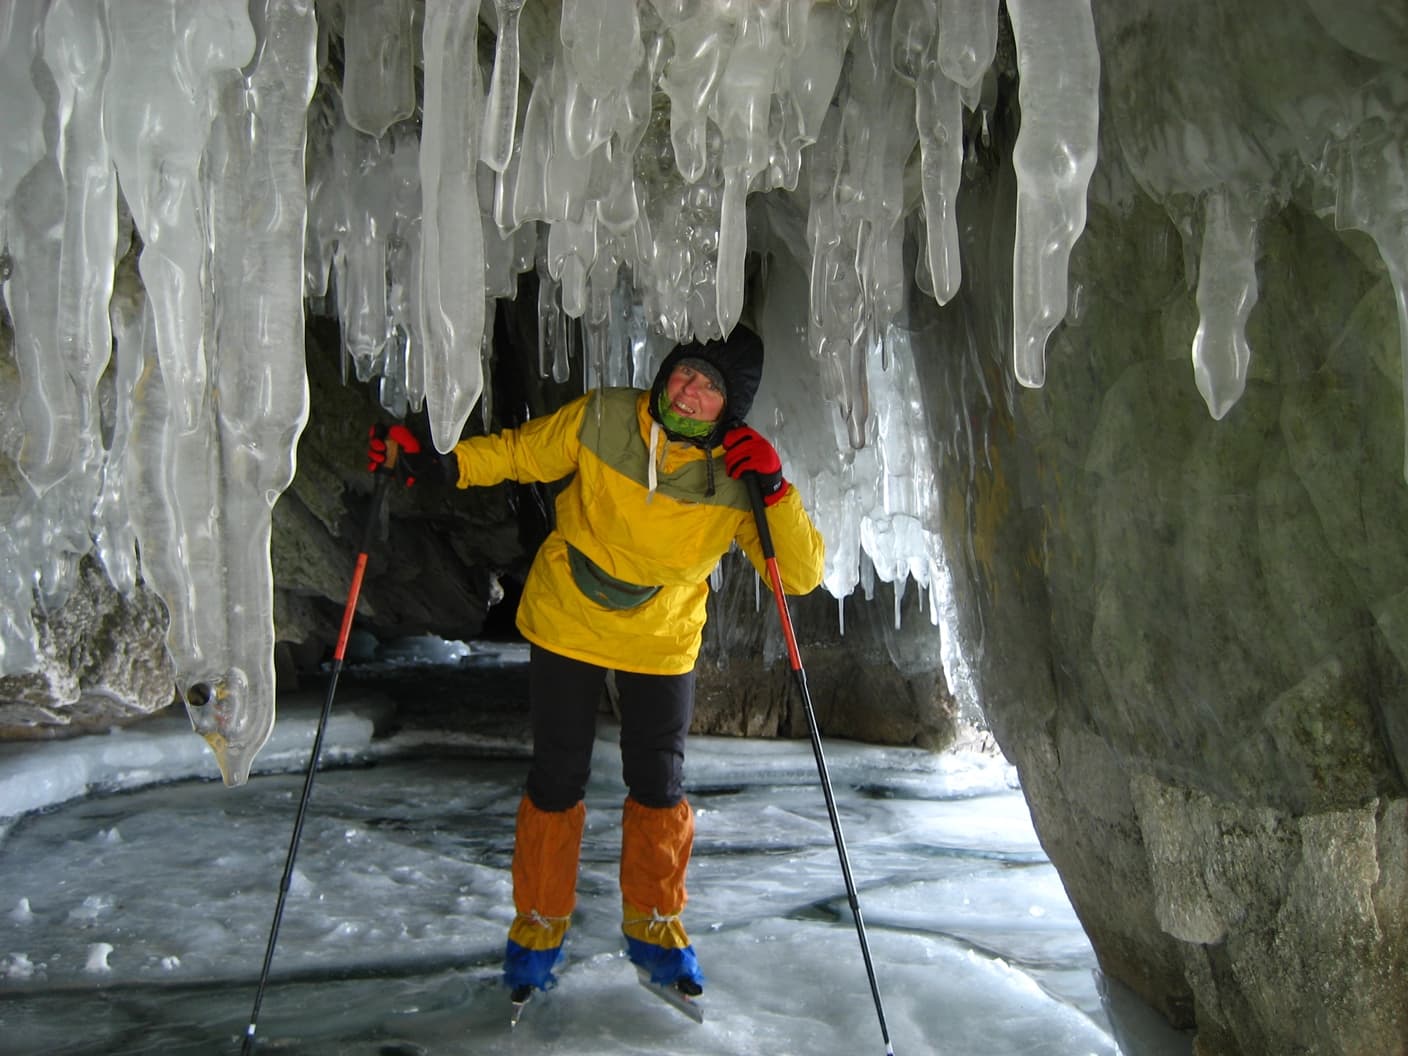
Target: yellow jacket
{"points": [[663, 532]]}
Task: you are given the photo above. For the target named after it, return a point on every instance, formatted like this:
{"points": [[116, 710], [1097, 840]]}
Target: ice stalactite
{"points": [[856, 204], [938, 114], [166, 61], [204, 496], [1221, 153], [101, 493], [114, 537], [501, 109], [1370, 180], [745, 95], [61, 235], [690, 79], [64, 234], [402, 382], [452, 236], [1054, 157], [967, 43], [258, 210], [1226, 293], [361, 201], [379, 60]]}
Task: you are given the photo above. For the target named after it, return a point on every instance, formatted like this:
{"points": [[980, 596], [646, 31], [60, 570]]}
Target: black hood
{"points": [[738, 357]]}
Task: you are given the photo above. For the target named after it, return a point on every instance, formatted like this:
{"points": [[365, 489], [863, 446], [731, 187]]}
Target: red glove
{"points": [[745, 451], [413, 459]]}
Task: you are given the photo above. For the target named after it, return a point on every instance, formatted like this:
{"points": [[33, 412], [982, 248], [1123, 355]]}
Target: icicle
{"points": [[549, 316], [113, 537], [1227, 291], [486, 358], [939, 113], [62, 232], [225, 476], [156, 116], [21, 109], [364, 175], [745, 95], [841, 615], [690, 80], [597, 346], [914, 50], [1054, 156], [501, 108], [452, 254], [563, 348], [967, 39], [378, 80]]}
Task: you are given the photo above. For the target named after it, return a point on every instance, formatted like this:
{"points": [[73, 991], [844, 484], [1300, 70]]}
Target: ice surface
{"points": [[137, 905]]}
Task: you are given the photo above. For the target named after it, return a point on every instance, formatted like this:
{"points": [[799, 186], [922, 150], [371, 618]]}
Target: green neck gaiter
{"points": [[678, 424]]}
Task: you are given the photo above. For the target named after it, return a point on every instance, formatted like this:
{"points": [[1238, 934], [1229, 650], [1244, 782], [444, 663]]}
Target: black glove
{"points": [[414, 459], [745, 451]]}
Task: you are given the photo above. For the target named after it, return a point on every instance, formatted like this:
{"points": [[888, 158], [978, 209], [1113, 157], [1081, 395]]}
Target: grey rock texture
{"points": [[872, 682], [1187, 633], [103, 662]]}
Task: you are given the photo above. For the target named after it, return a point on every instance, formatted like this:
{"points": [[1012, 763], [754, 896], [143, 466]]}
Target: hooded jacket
{"points": [[640, 507]]}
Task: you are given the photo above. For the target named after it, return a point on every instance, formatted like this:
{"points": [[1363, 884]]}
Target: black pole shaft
{"points": [[368, 534], [755, 495]]}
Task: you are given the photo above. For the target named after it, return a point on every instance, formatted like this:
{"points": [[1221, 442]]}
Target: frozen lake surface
{"points": [[136, 896]]}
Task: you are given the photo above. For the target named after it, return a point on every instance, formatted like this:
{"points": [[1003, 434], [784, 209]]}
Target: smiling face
{"points": [[693, 394]]}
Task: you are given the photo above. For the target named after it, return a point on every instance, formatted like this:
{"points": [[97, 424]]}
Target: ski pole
{"points": [[373, 519], [755, 495]]}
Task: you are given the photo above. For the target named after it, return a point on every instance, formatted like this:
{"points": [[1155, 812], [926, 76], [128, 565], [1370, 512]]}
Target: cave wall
{"points": [[866, 678], [1188, 634]]}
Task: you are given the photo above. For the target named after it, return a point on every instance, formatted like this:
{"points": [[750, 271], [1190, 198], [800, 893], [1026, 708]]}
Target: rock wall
{"points": [[1189, 634], [867, 679]]}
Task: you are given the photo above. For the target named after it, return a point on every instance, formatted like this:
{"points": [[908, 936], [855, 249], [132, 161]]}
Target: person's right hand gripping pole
{"points": [[396, 448]]}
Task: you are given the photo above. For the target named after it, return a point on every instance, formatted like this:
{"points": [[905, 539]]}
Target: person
{"points": [[620, 584]]}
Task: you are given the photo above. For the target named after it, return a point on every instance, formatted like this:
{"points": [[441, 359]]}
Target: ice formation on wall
{"points": [[1223, 126], [198, 111], [1054, 156], [615, 149]]}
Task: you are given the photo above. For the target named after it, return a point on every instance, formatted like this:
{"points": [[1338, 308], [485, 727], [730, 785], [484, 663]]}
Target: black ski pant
{"points": [[564, 695]]}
